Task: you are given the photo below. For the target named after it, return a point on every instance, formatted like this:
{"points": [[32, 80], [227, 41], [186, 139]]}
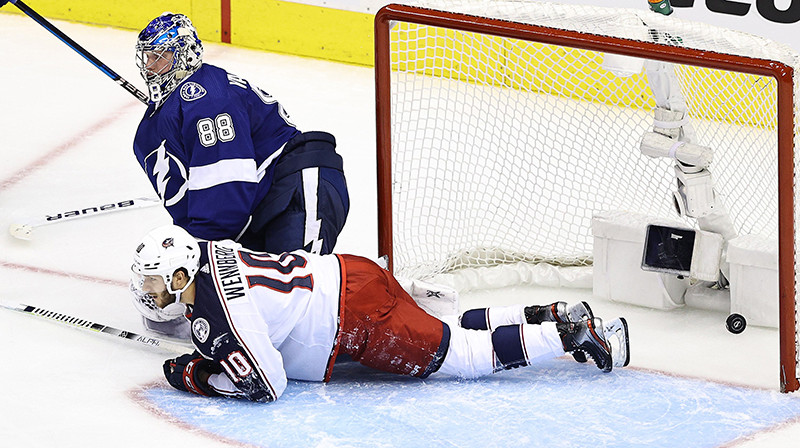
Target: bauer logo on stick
{"points": [[24, 230]]}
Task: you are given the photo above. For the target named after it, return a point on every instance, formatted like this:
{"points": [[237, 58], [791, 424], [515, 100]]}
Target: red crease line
{"points": [[37, 270]]}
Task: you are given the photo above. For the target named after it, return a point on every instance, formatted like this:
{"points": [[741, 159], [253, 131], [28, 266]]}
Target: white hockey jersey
{"points": [[265, 318]]}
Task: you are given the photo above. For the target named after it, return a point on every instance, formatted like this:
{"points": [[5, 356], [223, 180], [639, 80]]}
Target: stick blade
{"points": [[21, 231], [12, 306]]}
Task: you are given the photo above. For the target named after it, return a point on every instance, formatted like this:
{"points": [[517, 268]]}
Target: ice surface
{"points": [[553, 405]]}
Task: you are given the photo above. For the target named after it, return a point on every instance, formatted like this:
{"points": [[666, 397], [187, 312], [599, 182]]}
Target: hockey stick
{"points": [[75, 322], [25, 230], [80, 50]]}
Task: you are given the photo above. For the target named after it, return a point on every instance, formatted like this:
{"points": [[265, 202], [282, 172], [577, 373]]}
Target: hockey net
{"points": [[500, 133]]}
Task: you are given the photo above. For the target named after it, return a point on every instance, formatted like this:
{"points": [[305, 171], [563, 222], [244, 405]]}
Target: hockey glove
{"points": [[190, 372]]}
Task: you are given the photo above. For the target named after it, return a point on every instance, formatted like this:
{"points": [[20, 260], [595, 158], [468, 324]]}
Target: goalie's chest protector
{"points": [[289, 302]]}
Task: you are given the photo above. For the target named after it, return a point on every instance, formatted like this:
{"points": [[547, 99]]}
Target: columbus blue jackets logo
{"points": [[201, 328], [192, 91], [169, 242]]}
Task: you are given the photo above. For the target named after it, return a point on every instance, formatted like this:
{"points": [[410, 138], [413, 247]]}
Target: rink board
{"points": [[559, 404]]}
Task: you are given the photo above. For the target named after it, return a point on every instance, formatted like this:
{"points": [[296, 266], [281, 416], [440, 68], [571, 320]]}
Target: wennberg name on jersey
{"points": [[231, 282]]}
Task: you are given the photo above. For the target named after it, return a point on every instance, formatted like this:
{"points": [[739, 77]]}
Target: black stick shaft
{"points": [[75, 322], [80, 50]]}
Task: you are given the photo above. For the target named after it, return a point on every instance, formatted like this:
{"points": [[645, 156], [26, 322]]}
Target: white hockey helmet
{"points": [[168, 33], [162, 252]]}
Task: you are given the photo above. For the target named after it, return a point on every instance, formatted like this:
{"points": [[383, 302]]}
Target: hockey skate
{"points": [[559, 312], [587, 336], [616, 333]]}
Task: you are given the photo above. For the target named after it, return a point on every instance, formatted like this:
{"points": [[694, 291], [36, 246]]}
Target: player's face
{"points": [[158, 63], [154, 286]]}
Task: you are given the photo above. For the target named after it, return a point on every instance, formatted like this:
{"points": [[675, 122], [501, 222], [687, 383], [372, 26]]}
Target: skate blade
{"points": [[616, 333]]}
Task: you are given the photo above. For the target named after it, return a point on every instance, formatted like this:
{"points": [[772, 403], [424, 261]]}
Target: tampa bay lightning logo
{"points": [[168, 175], [192, 91]]}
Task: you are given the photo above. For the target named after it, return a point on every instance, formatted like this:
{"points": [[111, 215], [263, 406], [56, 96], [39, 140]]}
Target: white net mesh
{"points": [[503, 149]]}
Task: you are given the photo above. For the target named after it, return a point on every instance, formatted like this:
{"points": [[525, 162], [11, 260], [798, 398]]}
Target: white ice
{"points": [[66, 142]]}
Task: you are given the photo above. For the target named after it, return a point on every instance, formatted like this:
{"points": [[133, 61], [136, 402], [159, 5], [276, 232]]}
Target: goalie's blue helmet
{"points": [[167, 51]]}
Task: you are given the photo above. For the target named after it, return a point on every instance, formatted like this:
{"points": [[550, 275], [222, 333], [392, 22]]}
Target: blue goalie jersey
{"points": [[210, 151]]}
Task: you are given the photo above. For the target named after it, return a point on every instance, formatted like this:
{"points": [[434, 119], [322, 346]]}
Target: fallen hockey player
{"points": [[259, 319]]}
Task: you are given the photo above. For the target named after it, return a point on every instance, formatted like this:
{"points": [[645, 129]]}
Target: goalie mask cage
{"points": [[500, 134]]}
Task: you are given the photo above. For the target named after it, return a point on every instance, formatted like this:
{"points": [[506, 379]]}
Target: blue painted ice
{"points": [[558, 404]]}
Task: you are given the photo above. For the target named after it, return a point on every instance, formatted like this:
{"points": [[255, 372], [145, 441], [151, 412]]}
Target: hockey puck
{"points": [[735, 323]]}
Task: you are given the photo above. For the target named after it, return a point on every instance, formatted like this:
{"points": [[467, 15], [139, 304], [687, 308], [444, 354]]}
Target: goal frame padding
{"points": [[783, 74]]}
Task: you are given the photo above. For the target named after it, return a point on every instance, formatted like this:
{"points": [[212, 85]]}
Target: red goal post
{"points": [[392, 190]]}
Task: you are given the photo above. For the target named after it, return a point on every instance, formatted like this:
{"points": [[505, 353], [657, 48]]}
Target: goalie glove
{"points": [[190, 373]]}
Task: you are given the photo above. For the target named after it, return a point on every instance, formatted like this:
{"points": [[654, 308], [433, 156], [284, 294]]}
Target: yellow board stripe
{"points": [[346, 36], [529, 66], [284, 27]]}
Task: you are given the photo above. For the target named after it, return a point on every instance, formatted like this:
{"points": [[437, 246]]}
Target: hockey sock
{"points": [[493, 317], [474, 319], [470, 354], [521, 345], [508, 346]]}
